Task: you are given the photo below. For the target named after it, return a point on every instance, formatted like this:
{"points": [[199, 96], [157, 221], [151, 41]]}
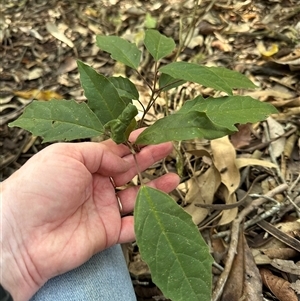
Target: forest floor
{"points": [[40, 42]]}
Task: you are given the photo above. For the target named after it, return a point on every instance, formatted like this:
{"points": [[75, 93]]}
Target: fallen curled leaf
{"points": [[35, 73], [276, 130], [292, 111], [278, 286], [287, 266], [289, 146], [243, 162], [267, 52], [292, 58], [280, 252], [69, 64], [52, 29], [224, 157], [206, 28], [243, 137]]}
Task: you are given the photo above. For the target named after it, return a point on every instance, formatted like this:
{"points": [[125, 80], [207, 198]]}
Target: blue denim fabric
{"points": [[104, 277]]}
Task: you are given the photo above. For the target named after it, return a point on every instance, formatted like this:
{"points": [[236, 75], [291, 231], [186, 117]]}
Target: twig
{"points": [[234, 238], [294, 204], [191, 28], [219, 267], [256, 195], [291, 206], [294, 184], [264, 215]]}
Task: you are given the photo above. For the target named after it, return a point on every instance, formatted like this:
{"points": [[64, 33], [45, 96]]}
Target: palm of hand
{"points": [[64, 209], [71, 214], [82, 218]]}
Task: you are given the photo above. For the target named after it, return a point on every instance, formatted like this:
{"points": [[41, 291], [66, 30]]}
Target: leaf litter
{"points": [[238, 188]]}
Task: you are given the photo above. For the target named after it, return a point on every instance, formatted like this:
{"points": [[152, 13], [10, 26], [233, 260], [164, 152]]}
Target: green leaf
{"points": [[103, 97], [125, 87], [150, 22], [170, 243], [181, 127], [230, 110], [120, 50], [219, 78], [167, 82], [121, 127], [157, 44], [62, 120]]}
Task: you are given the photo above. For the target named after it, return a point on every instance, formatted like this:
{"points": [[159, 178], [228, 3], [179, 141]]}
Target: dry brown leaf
{"points": [[52, 29], [34, 73], [94, 28], [288, 228], [280, 253], [202, 190], [294, 102], [219, 248], [252, 284], [197, 148], [278, 286], [8, 106], [287, 81], [276, 130], [236, 28], [204, 186], [138, 267], [194, 39], [260, 258], [233, 289], [289, 146], [272, 93], [221, 44], [224, 157], [69, 64], [292, 111], [243, 162], [292, 58], [206, 28], [7, 99], [38, 94], [242, 137], [287, 266]]}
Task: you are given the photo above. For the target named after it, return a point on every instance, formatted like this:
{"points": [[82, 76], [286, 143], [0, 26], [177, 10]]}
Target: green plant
{"points": [[169, 242]]}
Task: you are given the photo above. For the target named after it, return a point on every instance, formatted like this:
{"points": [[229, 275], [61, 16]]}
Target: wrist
{"points": [[15, 267], [19, 286], [5, 295]]}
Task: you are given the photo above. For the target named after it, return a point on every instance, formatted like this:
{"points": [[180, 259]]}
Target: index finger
{"points": [[99, 158], [121, 149]]}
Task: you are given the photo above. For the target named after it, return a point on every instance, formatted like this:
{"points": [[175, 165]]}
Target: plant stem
{"points": [[132, 150], [190, 29], [153, 96]]}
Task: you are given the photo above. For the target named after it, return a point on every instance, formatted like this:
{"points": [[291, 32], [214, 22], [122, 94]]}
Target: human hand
{"points": [[60, 209]]}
